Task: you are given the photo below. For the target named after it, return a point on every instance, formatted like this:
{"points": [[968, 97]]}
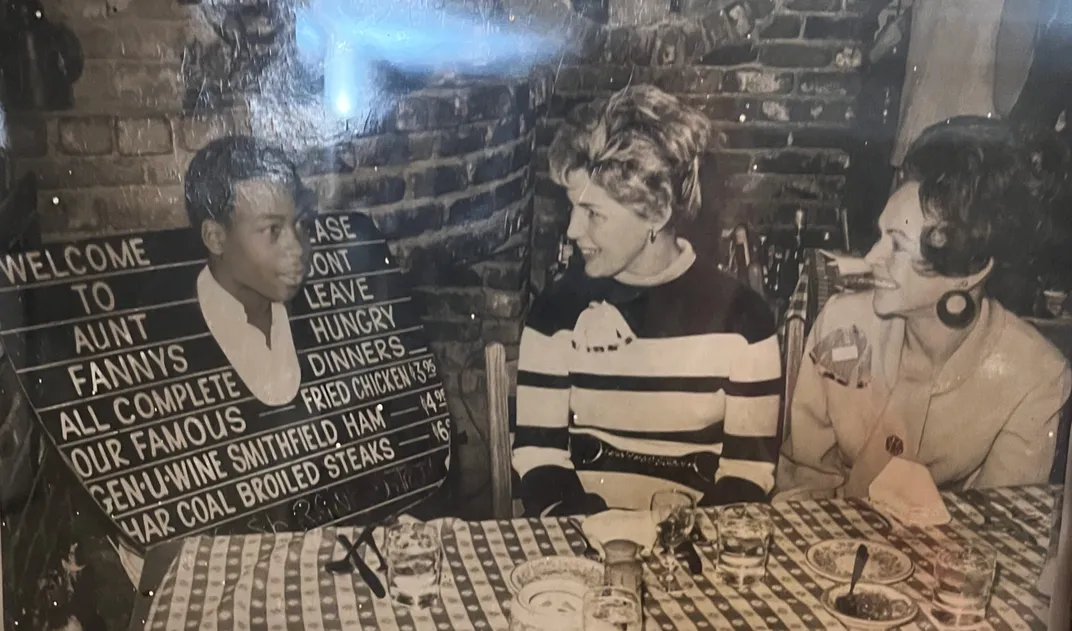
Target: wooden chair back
{"points": [[501, 382]]}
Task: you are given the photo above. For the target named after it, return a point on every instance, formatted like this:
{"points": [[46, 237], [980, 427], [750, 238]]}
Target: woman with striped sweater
{"points": [[648, 368]]}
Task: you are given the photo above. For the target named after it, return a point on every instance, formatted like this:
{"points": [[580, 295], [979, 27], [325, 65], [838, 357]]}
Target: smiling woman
{"points": [[647, 369], [927, 366]]}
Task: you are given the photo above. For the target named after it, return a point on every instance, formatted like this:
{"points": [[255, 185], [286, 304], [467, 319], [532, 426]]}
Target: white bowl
{"points": [[548, 604], [904, 608], [580, 570]]}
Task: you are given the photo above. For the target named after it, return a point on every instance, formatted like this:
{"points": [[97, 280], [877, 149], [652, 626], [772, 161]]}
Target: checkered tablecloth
{"points": [[277, 582]]}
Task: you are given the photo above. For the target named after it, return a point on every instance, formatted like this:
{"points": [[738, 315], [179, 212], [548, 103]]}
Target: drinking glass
{"points": [[612, 609], [744, 538], [965, 577], [414, 560], [674, 514]]}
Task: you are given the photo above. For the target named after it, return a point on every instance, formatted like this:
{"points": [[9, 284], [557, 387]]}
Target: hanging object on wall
{"points": [[249, 38], [18, 215], [40, 60], [596, 10]]}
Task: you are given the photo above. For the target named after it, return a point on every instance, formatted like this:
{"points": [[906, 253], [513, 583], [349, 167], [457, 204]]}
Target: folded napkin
{"points": [[905, 490], [635, 526]]}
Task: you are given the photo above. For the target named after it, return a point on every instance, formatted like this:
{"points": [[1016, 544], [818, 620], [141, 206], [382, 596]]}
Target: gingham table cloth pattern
{"points": [[277, 582]]}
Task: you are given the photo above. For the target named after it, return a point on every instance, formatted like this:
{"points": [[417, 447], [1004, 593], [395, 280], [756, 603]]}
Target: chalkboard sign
{"points": [[143, 382]]}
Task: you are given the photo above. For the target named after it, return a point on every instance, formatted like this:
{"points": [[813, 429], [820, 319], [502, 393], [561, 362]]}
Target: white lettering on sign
{"points": [[96, 459], [120, 495], [273, 485], [337, 327], [356, 458], [188, 432], [111, 373], [204, 509], [176, 398], [326, 396], [194, 472], [149, 526], [75, 260], [336, 229], [433, 402], [335, 394], [331, 263], [80, 423], [441, 430], [350, 357], [362, 422], [96, 297], [109, 334], [293, 442], [384, 381], [133, 491], [332, 293]]}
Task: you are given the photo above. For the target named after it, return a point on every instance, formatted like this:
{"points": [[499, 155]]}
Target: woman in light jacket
{"points": [[927, 366]]}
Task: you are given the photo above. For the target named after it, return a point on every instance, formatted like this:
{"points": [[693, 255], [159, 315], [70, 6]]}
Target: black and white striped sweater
{"points": [[625, 389]]}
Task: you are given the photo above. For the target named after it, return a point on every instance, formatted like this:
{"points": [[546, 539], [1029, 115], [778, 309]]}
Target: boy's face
{"points": [[266, 246]]}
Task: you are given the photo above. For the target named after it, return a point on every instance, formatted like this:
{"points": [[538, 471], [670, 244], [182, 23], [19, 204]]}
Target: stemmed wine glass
{"points": [[674, 514]]}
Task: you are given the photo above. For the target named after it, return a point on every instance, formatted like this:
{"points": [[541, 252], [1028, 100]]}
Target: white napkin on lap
{"points": [[905, 490]]}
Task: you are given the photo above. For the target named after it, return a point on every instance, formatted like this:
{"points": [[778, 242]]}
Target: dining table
{"points": [[278, 582]]}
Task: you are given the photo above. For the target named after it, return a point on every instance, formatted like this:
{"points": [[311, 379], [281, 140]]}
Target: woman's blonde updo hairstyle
{"points": [[642, 145]]}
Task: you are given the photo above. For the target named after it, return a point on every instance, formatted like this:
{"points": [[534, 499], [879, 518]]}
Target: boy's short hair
{"points": [[216, 169]]}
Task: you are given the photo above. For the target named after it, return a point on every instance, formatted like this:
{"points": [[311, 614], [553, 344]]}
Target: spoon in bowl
{"points": [[847, 604]]}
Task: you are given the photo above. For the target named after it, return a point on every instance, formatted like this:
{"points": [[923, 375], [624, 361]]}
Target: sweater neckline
{"points": [[679, 266]]}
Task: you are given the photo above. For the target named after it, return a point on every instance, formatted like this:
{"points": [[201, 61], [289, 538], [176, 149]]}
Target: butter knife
{"points": [[363, 569], [367, 537]]}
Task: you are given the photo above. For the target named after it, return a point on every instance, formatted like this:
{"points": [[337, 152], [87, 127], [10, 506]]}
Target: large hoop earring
{"points": [[956, 309], [651, 235]]}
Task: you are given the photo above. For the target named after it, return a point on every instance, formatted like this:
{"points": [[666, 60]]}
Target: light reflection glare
{"points": [[342, 104], [349, 38]]}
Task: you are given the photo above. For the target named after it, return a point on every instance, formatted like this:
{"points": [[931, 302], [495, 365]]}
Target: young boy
{"points": [[251, 209]]}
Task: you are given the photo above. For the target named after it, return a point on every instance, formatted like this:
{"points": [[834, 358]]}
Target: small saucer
{"points": [[902, 608]]}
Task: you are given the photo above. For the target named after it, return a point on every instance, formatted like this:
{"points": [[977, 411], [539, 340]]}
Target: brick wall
{"points": [[780, 85]]}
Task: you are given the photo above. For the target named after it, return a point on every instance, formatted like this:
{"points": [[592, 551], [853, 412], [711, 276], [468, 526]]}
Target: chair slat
{"points": [[498, 381]]}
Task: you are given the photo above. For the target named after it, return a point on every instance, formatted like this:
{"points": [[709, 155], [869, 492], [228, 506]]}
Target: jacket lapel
{"points": [[882, 418]]}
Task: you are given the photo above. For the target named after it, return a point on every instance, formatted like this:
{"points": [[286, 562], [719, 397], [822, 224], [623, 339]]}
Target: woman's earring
{"points": [[956, 309], [651, 235]]}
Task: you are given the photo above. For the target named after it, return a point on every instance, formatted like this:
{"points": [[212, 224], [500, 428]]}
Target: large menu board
{"points": [[111, 345]]}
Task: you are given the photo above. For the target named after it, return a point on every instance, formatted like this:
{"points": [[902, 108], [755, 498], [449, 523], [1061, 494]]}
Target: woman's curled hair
{"points": [[984, 188], [642, 145]]}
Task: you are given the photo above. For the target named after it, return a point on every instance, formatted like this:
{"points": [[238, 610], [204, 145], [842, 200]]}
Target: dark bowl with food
{"points": [[871, 607]]}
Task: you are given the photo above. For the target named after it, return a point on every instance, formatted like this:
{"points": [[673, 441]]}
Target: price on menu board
{"points": [[179, 416]]}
